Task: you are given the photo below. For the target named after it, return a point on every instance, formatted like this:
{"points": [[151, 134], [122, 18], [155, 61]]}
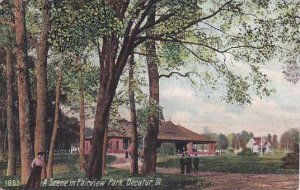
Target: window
{"points": [[117, 145], [125, 144]]}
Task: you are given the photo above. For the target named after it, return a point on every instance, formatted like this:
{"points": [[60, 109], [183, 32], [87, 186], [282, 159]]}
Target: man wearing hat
{"points": [[37, 165]]}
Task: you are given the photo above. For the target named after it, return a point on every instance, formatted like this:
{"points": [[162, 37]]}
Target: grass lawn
{"points": [[229, 163], [66, 168]]}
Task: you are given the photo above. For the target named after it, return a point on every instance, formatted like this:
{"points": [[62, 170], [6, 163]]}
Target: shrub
{"points": [[230, 150], [246, 152], [291, 161], [167, 149]]}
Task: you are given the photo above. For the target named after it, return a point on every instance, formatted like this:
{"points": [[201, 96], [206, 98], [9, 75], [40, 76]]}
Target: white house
{"points": [[257, 145]]}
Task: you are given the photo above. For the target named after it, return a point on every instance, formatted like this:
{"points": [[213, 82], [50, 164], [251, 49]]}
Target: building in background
{"points": [[185, 140], [258, 144]]}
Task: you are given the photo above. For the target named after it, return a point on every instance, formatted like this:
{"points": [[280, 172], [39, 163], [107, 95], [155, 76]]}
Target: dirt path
{"points": [[123, 163], [223, 181], [230, 181]]}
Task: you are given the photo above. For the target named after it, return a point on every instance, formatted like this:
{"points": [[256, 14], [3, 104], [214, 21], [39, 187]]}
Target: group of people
{"points": [[186, 163]]}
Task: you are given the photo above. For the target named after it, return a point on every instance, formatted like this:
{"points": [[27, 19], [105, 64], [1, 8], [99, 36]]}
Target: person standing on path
{"points": [[182, 163], [196, 163], [189, 164]]}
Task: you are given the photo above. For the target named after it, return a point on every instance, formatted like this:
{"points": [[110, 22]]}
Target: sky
{"points": [[203, 111]]}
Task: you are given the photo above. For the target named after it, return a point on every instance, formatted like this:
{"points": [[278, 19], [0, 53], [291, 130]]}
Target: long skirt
{"points": [[34, 180]]}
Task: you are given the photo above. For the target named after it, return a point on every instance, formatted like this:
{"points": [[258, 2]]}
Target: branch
{"points": [[207, 17], [161, 19], [177, 73], [246, 46], [129, 39], [140, 53], [5, 22], [205, 45], [220, 30], [188, 25], [124, 8], [145, 14], [195, 54]]}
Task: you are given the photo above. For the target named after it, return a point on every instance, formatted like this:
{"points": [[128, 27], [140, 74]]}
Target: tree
{"points": [[230, 138], [56, 124], [2, 104], [222, 143], [11, 161], [8, 44], [269, 138], [23, 91], [134, 133], [41, 80], [183, 23], [244, 139], [289, 139], [82, 121], [150, 146], [274, 142]]}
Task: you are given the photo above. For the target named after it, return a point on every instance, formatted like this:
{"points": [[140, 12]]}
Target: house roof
{"points": [[168, 131]]}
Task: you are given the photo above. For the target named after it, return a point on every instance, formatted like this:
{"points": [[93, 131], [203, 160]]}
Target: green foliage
{"points": [[289, 139], [211, 136], [291, 160], [6, 10], [247, 152], [76, 25], [72, 72], [167, 149], [242, 35], [222, 142], [240, 140], [172, 56], [142, 118]]}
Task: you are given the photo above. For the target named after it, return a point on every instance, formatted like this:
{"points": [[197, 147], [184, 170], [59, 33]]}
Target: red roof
{"points": [[168, 131], [257, 141]]}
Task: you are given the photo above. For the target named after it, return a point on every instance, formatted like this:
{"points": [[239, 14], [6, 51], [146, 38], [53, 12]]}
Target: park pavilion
{"points": [[184, 139]]}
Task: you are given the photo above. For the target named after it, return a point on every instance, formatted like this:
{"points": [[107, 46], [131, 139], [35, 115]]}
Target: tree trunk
{"points": [[82, 124], [23, 91], [41, 89], [112, 62], [134, 134], [149, 164], [5, 138], [2, 131], [105, 146], [41, 79], [11, 164], [95, 166], [56, 122], [108, 85]]}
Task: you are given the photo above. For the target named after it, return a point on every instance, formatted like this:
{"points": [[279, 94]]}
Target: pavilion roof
{"points": [[168, 131]]}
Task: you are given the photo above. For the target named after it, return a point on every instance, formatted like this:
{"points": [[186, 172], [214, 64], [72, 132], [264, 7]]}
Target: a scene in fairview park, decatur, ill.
{"points": [[149, 94]]}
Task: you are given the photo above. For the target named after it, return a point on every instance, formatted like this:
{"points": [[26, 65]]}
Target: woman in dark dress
{"points": [[37, 165]]}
